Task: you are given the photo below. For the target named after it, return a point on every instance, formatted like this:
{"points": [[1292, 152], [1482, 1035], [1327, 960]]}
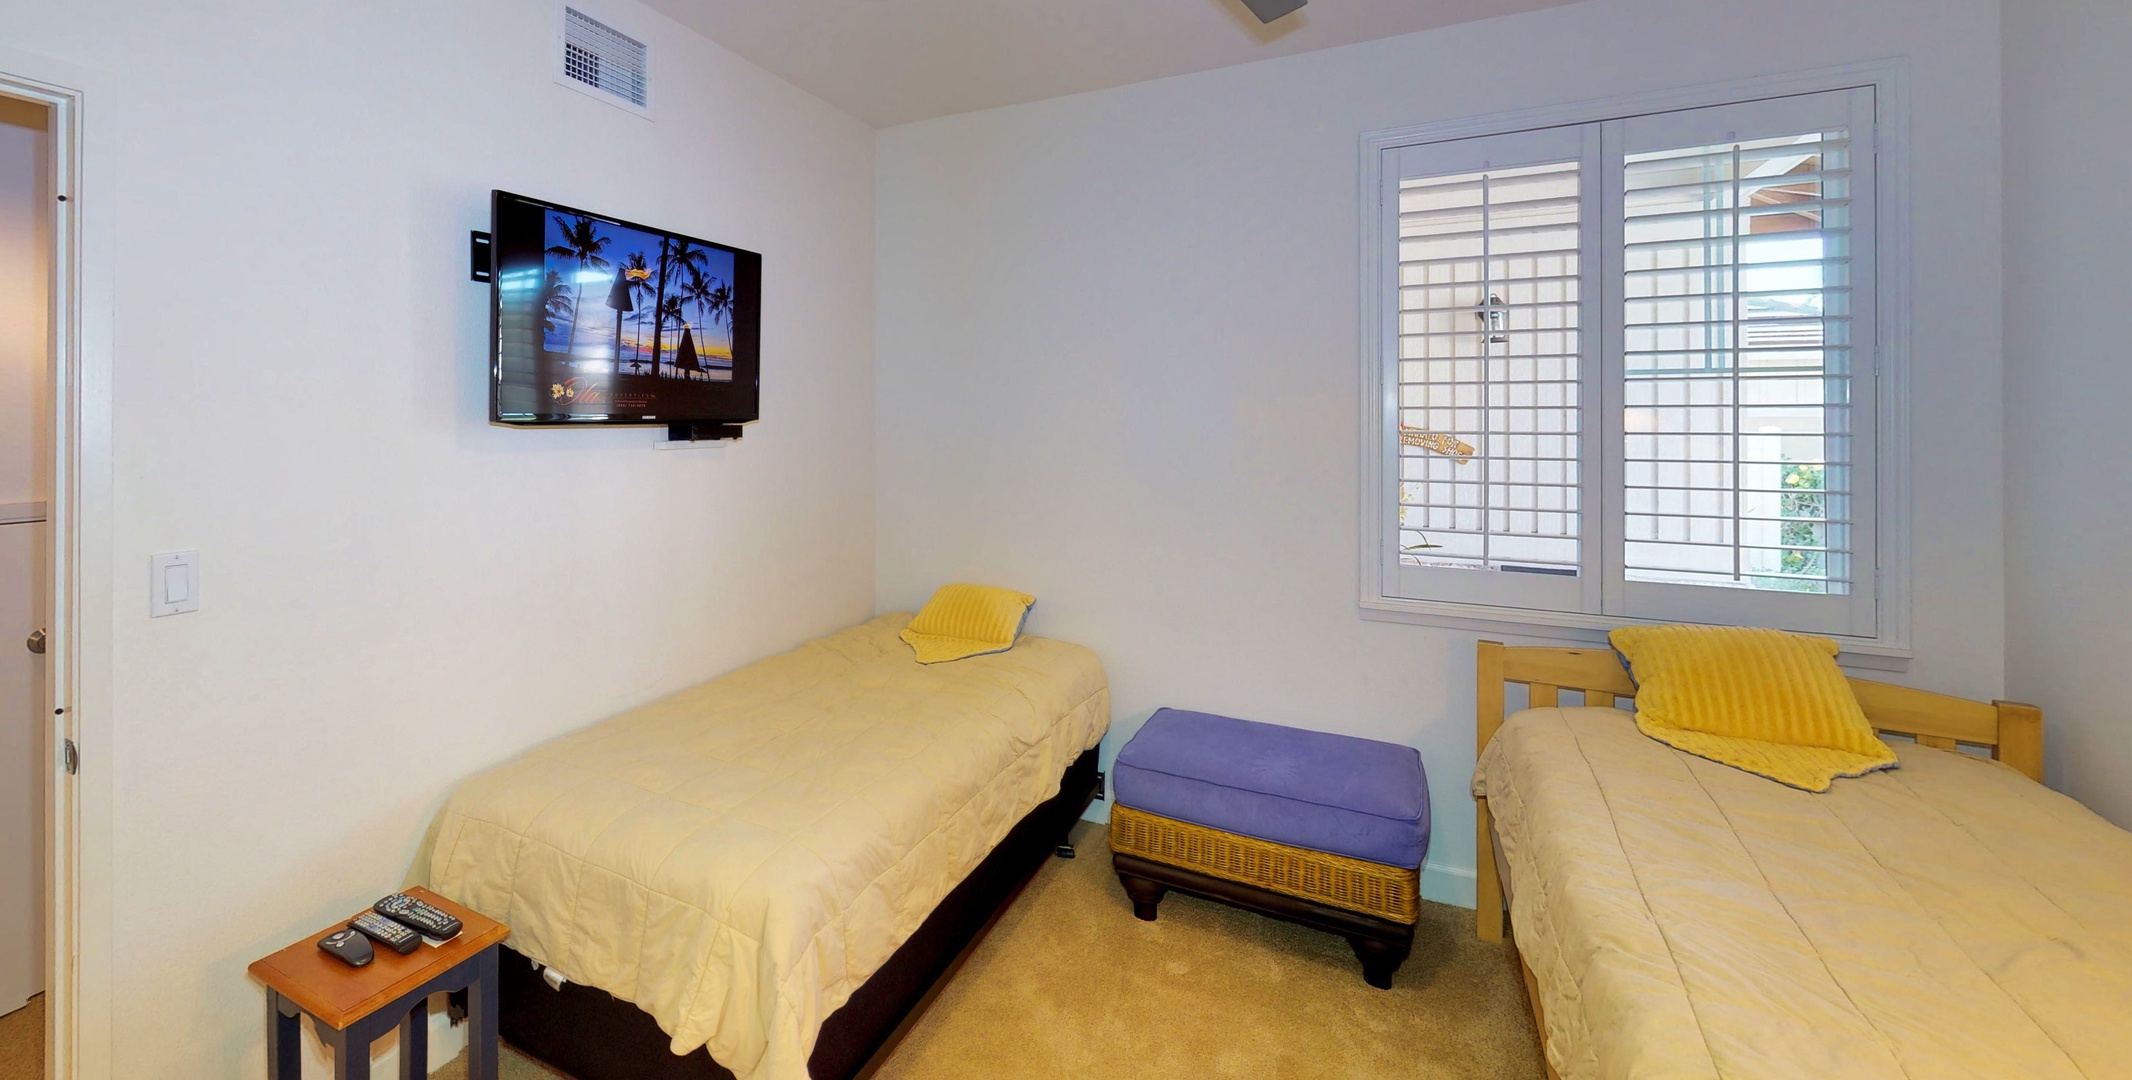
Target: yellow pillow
{"points": [[1771, 703], [967, 620]]}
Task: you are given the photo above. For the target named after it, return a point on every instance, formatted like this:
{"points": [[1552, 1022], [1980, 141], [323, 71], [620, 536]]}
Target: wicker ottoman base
{"points": [[1387, 892], [1372, 905]]}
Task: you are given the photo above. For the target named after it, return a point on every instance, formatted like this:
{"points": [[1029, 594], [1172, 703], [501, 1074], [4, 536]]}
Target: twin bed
{"points": [[1680, 918], [765, 876]]}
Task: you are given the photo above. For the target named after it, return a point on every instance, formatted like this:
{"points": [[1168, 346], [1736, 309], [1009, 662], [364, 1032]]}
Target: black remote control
{"points": [[347, 946], [432, 922], [385, 932]]}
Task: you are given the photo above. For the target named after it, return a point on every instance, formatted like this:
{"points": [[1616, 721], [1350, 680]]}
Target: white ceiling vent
{"points": [[604, 62]]}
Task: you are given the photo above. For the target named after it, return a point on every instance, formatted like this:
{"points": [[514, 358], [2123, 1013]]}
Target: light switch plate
{"points": [[173, 583]]}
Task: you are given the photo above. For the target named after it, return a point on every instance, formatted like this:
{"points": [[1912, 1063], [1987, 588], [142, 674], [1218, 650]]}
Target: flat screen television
{"points": [[595, 320]]}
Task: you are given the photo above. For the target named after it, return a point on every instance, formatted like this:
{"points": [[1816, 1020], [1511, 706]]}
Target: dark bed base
{"points": [[592, 1035], [1381, 944]]}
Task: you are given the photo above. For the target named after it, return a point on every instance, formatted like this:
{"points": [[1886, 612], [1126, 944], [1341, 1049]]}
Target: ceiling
{"points": [[894, 61]]}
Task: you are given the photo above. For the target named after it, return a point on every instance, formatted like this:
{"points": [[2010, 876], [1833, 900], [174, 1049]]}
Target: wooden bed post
{"points": [[2020, 738], [1488, 716]]}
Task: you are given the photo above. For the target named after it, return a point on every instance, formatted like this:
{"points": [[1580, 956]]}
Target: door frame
{"points": [[79, 515]]}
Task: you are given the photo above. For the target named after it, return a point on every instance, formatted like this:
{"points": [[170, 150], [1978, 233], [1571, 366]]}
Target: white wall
{"points": [[396, 593], [1118, 354], [2069, 386]]}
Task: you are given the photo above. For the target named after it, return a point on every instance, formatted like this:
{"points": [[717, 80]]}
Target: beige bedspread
{"points": [[738, 858], [1949, 918]]}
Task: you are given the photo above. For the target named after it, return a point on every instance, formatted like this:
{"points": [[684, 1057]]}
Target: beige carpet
{"points": [[22, 1042], [1069, 985]]}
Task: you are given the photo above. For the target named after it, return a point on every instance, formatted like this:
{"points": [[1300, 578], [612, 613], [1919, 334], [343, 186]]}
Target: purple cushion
{"points": [[1355, 797]]}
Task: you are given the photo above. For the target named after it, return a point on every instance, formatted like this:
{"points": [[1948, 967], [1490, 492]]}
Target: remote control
{"points": [[347, 946], [405, 909], [385, 932]]}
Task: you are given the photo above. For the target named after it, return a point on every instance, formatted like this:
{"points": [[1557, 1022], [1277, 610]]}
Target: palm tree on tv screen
{"points": [[581, 241], [709, 294], [674, 256], [555, 303], [718, 306], [721, 304], [669, 311], [712, 297]]}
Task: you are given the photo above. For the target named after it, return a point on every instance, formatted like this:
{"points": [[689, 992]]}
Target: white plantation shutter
{"points": [[1490, 337], [1652, 341], [1745, 262]]}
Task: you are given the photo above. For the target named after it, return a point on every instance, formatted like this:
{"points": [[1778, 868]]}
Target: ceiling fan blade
{"points": [[1269, 10]]}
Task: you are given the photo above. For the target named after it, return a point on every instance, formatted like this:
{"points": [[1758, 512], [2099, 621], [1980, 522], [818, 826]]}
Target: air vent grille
{"points": [[604, 58]]}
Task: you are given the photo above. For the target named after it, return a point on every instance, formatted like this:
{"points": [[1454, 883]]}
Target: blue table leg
{"points": [[351, 1053], [481, 1018], [414, 1042], [285, 1038]]}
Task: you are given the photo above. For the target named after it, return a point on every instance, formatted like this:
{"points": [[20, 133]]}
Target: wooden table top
{"points": [[339, 995]]}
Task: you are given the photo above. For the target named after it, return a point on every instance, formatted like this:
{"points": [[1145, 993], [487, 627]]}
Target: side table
{"points": [[353, 1006]]}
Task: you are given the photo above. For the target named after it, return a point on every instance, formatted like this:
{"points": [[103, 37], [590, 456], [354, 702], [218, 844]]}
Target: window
{"points": [[1626, 369]]}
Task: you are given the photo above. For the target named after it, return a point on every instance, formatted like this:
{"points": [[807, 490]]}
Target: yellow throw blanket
{"points": [[738, 858], [1950, 919]]}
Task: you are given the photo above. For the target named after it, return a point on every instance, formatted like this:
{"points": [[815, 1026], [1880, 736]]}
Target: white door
{"points": [[25, 266], [22, 765]]}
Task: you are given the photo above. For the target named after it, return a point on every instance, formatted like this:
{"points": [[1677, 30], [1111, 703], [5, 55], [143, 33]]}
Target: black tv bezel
{"points": [[740, 400]]}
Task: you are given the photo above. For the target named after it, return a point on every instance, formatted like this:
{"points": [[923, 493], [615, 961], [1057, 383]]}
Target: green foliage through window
{"points": [[1805, 508]]}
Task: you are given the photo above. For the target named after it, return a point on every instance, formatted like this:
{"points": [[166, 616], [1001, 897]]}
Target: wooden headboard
{"points": [[2011, 731]]}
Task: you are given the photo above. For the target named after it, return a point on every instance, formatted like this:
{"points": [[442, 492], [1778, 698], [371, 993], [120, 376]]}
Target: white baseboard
{"points": [[1448, 885]]}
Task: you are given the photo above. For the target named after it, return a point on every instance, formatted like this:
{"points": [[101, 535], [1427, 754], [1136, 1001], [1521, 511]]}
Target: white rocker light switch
{"points": [[173, 583]]}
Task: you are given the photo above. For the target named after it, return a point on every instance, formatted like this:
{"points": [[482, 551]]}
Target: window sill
{"points": [[1577, 628]]}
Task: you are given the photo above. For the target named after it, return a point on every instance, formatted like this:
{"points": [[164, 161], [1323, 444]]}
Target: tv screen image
{"points": [[599, 320]]}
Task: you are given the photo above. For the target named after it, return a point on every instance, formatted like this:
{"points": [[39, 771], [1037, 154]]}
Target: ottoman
{"points": [[1328, 831]]}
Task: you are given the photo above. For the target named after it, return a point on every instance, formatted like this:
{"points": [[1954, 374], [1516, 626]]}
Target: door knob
{"points": [[36, 642]]}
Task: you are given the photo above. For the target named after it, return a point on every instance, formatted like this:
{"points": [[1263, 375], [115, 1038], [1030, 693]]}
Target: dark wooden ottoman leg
{"points": [[1145, 895], [1381, 944], [1380, 958]]}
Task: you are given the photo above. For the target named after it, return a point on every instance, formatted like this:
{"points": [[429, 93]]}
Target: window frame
{"points": [[1887, 366]]}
